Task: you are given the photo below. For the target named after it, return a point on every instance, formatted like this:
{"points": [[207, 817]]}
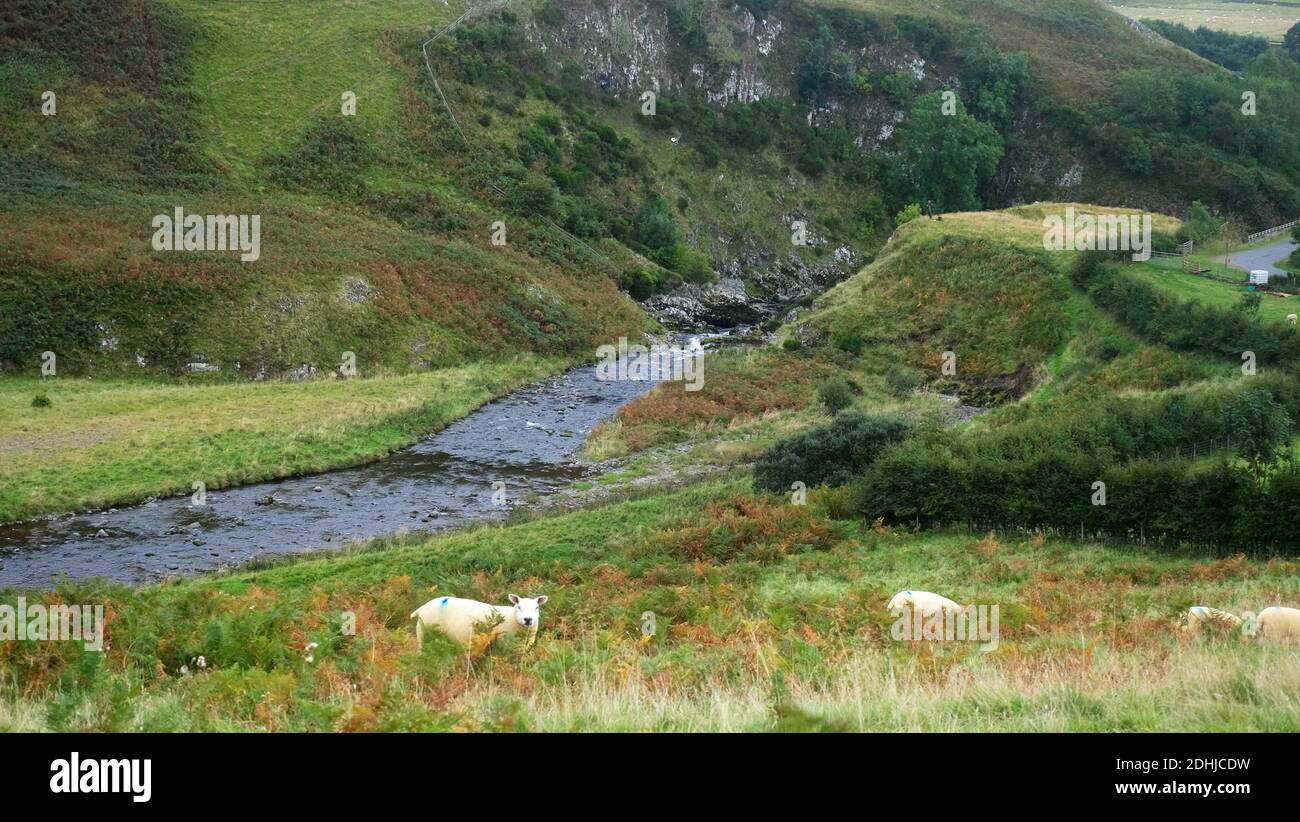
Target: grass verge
{"points": [[111, 442]]}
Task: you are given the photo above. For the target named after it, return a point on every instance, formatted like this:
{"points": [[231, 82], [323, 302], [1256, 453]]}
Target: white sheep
{"points": [[1279, 624], [1291, 318], [923, 601], [459, 618], [1199, 616]]}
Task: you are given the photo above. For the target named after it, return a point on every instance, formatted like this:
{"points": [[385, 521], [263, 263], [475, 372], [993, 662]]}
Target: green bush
{"points": [[907, 215], [1183, 325], [901, 380], [40, 401], [832, 454], [846, 340], [836, 394], [1038, 469], [691, 264]]}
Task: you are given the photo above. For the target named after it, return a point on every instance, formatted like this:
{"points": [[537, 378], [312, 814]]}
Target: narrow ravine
{"points": [[527, 441]]}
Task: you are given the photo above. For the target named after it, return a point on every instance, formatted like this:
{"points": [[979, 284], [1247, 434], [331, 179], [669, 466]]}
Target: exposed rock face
{"points": [[751, 289], [783, 280], [627, 47], [724, 304]]}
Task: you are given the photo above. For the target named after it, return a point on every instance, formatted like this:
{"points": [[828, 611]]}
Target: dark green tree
{"points": [[945, 158]]}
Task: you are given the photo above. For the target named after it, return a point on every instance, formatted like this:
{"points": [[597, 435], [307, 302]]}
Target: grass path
{"points": [[111, 442]]}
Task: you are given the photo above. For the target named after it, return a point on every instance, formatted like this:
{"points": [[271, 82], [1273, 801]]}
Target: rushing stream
{"points": [[527, 440]]}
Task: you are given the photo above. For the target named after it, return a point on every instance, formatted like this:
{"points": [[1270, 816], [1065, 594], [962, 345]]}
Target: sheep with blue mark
{"points": [[460, 619]]}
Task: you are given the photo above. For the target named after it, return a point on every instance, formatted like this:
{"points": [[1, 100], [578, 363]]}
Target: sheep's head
{"points": [[528, 612]]}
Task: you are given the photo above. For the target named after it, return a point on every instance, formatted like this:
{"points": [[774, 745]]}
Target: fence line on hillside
{"points": [[1271, 232], [1194, 450]]}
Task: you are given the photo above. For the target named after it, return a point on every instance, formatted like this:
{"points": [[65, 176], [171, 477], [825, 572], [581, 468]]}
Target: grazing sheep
{"points": [[460, 618], [923, 601], [1291, 318], [1279, 624], [1199, 616]]}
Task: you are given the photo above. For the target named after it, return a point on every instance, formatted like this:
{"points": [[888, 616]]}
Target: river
{"points": [[508, 452]]}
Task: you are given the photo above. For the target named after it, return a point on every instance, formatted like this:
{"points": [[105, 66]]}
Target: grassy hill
{"points": [[378, 225], [979, 285], [164, 105], [1270, 19]]}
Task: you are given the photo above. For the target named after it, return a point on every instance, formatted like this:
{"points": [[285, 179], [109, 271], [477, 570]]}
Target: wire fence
{"points": [[1196, 450]]}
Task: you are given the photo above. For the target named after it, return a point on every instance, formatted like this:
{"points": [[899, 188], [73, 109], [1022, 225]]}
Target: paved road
{"points": [[1263, 259]]}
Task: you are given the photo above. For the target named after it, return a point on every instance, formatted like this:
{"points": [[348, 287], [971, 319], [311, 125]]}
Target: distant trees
{"points": [[1292, 41], [1229, 50], [1201, 225]]}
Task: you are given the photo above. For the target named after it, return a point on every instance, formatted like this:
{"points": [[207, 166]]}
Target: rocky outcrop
{"points": [[751, 289], [723, 304]]}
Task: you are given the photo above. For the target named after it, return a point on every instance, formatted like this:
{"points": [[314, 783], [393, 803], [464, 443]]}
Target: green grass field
{"points": [[263, 71], [1270, 19], [768, 616], [111, 442], [1215, 293]]}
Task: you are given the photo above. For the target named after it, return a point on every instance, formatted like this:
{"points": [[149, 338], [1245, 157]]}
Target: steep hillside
{"points": [[977, 285], [782, 140], [365, 245]]}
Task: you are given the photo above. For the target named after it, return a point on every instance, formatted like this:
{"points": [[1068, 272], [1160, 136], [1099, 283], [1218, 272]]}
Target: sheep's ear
{"points": [[514, 600], [541, 600]]}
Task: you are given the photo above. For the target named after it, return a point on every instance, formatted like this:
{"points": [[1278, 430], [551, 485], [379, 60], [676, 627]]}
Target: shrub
{"points": [[791, 344], [907, 215], [1038, 470], [836, 394], [901, 380], [832, 454], [40, 401], [846, 340], [693, 265], [747, 528], [1184, 325]]}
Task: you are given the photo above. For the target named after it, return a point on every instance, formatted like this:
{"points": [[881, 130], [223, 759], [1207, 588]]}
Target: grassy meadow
{"points": [[768, 616], [1212, 292], [102, 443], [1271, 19]]}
